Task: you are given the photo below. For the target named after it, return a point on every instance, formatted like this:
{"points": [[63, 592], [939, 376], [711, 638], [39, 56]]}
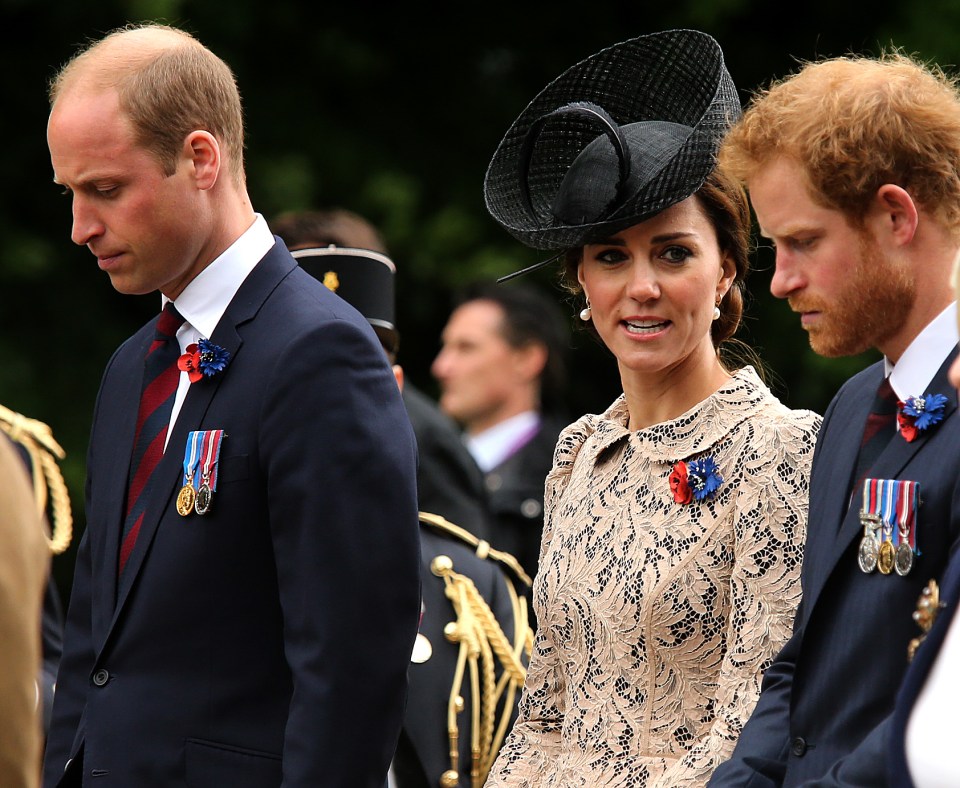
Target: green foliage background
{"points": [[392, 112]]}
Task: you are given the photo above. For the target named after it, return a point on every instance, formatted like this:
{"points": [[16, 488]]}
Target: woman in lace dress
{"points": [[675, 520]]}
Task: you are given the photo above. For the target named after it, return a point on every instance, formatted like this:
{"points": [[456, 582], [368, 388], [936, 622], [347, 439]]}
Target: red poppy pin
{"points": [[695, 481], [203, 359]]}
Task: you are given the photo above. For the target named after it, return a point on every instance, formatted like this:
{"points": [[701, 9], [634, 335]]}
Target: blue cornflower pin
{"points": [[917, 414], [203, 359], [695, 481]]}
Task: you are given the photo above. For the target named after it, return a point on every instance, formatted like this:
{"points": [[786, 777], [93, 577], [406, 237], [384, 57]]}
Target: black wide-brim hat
{"points": [[361, 277], [614, 140]]}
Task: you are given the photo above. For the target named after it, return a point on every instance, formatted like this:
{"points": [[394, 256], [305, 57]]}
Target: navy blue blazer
{"points": [[917, 673], [268, 640], [826, 701]]}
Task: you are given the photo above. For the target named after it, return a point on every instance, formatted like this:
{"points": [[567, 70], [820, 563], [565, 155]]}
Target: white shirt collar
{"points": [[916, 368], [205, 299], [492, 446]]}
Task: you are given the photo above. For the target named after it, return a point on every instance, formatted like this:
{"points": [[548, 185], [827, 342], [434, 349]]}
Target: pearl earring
{"points": [[585, 313], [716, 313]]}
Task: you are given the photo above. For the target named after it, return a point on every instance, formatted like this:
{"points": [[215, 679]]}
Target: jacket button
{"points": [[798, 747], [101, 677]]}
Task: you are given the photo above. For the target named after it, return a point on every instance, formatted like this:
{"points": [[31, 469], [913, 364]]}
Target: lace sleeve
{"points": [[535, 737], [769, 531]]}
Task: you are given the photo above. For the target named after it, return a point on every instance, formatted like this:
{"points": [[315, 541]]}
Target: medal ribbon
{"points": [[191, 457], [903, 514], [212, 441], [888, 506]]}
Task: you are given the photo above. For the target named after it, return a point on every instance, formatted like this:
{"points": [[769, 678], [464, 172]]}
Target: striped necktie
{"points": [[878, 430], [160, 379]]}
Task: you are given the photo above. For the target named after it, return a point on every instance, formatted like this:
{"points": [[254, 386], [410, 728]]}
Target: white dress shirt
{"points": [[492, 446], [912, 374], [205, 299]]}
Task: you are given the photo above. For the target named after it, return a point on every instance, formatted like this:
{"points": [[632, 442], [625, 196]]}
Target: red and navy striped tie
{"points": [[880, 427], [160, 378]]}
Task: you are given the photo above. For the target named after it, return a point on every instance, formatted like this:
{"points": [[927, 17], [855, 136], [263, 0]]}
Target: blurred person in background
{"points": [[502, 375]]}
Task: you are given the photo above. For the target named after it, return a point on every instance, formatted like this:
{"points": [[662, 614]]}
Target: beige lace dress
{"points": [[657, 619]]}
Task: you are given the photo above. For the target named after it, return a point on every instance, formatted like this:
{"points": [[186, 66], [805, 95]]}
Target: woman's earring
{"points": [[716, 310], [585, 313]]}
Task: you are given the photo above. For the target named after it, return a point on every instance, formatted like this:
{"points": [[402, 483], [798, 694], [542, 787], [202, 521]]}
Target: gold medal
{"points": [[185, 500], [887, 557]]}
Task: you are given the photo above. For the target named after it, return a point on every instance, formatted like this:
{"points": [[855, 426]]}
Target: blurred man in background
{"points": [[502, 375]]}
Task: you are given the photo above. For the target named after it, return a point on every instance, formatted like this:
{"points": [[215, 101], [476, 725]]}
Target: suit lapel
{"points": [[830, 486], [834, 500], [270, 271], [897, 454]]}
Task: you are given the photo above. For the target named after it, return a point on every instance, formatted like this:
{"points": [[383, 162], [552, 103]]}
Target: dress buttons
{"points": [[101, 677], [798, 746]]}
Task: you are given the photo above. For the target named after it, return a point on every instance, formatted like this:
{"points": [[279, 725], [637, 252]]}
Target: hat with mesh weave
{"points": [[614, 140]]}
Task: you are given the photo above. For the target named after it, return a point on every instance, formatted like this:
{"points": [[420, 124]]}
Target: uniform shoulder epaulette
{"points": [[482, 647], [480, 546], [37, 440]]}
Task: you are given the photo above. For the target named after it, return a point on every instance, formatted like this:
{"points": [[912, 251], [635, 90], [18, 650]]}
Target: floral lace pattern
{"points": [[656, 620]]}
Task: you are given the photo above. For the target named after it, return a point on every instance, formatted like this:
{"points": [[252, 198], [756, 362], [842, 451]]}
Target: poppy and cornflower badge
{"points": [[203, 359], [697, 480], [918, 414]]}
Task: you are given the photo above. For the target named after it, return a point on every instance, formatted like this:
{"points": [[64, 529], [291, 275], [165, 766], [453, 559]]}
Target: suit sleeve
{"points": [[341, 462]]}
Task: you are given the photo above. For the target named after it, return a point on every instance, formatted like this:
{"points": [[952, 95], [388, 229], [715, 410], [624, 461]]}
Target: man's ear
{"points": [[530, 360], [202, 151], [896, 213]]}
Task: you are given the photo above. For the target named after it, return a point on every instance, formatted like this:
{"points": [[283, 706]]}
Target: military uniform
{"points": [[470, 661], [40, 452]]}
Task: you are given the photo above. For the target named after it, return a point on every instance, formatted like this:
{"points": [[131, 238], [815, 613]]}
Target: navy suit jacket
{"points": [[826, 701], [267, 641], [917, 673]]}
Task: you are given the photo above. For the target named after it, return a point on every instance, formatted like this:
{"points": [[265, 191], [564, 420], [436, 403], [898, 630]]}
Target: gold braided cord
{"points": [[483, 644], [483, 548], [37, 438]]}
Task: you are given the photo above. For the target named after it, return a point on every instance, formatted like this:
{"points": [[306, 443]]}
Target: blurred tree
{"points": [[392, 112]]}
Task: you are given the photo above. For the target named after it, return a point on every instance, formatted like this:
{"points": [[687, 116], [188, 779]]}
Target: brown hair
{"points": [[725, 203], [854, 124], [169, 84]]}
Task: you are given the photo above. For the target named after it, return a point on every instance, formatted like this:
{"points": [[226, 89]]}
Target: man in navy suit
{"points": [[254, 625], [851, 165]]}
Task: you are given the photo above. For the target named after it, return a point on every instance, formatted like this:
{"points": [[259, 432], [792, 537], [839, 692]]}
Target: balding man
{"points": [[243, 609]]}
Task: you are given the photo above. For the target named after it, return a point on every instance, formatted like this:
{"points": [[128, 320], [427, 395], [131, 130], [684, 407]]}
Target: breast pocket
{"points": [[232, 468]]}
